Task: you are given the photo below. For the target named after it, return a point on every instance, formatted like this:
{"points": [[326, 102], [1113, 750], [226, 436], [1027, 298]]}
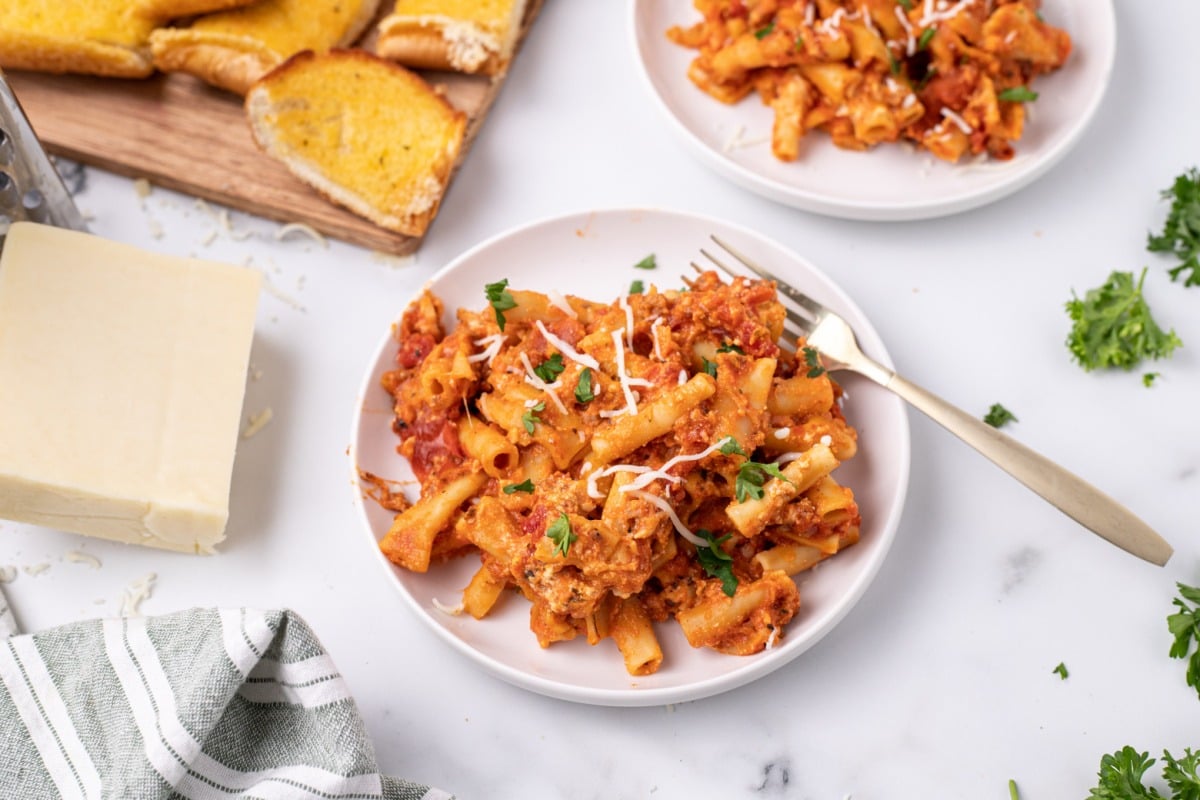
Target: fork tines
{"points": [[802, 319]]}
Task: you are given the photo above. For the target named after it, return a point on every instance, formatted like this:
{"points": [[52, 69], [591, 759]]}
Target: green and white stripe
{"points": [[204, 704]]}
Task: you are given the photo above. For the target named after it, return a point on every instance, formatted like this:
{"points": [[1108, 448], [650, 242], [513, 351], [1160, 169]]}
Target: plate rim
{"points": [[880, 211], [632, 696]]}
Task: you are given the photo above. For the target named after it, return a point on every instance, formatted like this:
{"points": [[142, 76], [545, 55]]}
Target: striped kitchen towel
{"points": [[206, 703]]}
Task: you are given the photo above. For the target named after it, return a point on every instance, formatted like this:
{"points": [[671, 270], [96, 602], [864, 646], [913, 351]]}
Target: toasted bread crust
{"points": [[227, 65], [43, 54], [424, 48], [470, 37], [413, 207], [233, 57], [176, 9]]}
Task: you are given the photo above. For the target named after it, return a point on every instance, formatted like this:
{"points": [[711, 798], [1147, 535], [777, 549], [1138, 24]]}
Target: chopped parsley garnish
{"points": [[751, 477], [524, 486], [1061, 671], [561, 534], [998, 416], [893, 64], [716, 562], [764, 31], [1181, 230], [926, 36], [1121, 774], [730, 447], [531, 416], [813, 359], [709, 366], [1149, 378], [649, 262], [1013, 794], [751, 474], [906, 3], [1018, 94], [500, 299], [1113, 327], [1185, 627], [583, 389], [551, 368], [729, 347], [637, 287], [799, 42]]}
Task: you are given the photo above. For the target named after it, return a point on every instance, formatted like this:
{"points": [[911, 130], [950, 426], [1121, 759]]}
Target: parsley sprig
{"points": [[500, 299], [561, 534], [551, 368], [998, 416], [1180, 235], [1017, 94], [583, 388], [752, 475], [1113, 326], [531, 416], [525, 486], [813, 360], [1122, 774], [1185, 627], [716, 562]]}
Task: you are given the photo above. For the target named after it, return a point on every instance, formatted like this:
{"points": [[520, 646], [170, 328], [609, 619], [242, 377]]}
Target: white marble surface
{"points": [[939, 682]]}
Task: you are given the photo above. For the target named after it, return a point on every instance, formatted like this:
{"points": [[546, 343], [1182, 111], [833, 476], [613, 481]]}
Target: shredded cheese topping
{"points": [[533, 380], [670, 512], [594, 491], [623, 303], [654, 326], [663, 472], [623, 376], [931, 16], [566, 349], [453, 611], [560, 302], [910, 46], [957, 120], [492, 346]]}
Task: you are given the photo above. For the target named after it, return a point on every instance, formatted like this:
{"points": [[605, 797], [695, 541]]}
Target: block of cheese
{"points": [[122, 375]]}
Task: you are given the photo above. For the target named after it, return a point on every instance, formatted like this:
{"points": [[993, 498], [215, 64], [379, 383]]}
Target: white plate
{"points": [[888, 182], [592, 255]]}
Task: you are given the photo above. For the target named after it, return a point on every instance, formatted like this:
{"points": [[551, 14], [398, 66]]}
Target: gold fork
{"points": [[834, 339]]}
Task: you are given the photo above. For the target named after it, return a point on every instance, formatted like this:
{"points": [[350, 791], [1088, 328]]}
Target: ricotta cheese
{"points": [[123, 375]]}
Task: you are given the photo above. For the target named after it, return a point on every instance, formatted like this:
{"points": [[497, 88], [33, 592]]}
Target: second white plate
{"points": [[888, 182]]}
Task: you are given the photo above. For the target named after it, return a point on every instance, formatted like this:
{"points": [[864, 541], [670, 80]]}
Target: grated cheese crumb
{"points": [[957, 120], [302, 228], [80, 557], [256, 422], [8, 573], [453, 611], [33, 570], [136, 593]]}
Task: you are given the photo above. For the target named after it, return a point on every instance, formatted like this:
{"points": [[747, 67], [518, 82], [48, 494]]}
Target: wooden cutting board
{"points": [[179, 133]]}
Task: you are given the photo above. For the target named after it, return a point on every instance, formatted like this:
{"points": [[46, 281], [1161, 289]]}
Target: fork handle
{"points": [[1075, 497]]}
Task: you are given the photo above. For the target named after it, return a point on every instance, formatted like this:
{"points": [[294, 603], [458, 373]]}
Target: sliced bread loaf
{"points": [[474, 36], [365, 132]]}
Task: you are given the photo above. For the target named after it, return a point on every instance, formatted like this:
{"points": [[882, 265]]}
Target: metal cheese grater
{"points": [[30, 187]]}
